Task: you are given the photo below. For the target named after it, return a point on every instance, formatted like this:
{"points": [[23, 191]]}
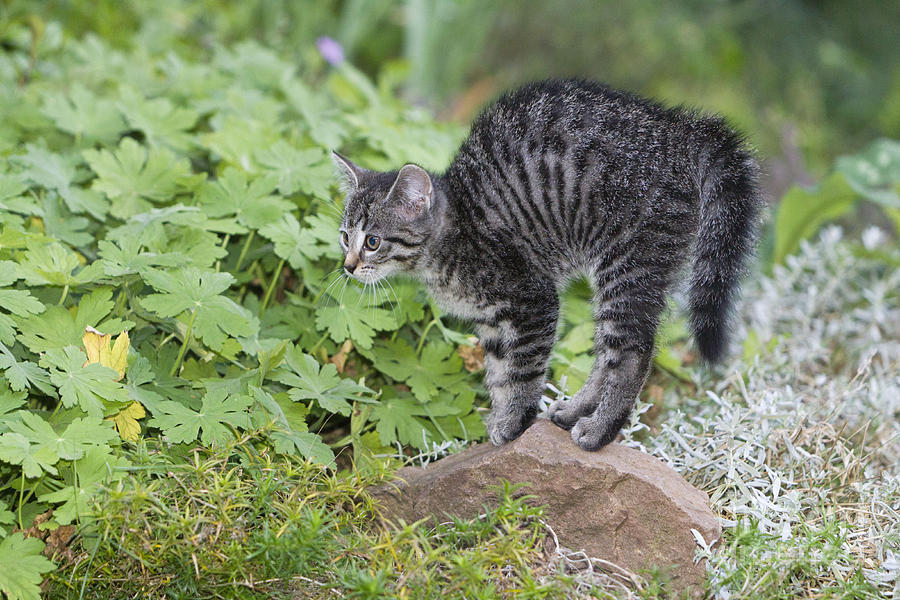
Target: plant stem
{"points": [[240, 260], [184, 345], [275, 278], [65, 293], [32, 488], [433, 322], [436, 424], [224, 245], [21, 495], [319, 343]]}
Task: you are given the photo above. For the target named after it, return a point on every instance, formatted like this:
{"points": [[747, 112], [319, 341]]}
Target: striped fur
{"points": [[555, 179]]}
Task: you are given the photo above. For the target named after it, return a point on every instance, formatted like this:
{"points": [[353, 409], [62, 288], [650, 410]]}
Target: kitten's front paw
{"points": [[503, 428], [590, 433], [564, 413]]}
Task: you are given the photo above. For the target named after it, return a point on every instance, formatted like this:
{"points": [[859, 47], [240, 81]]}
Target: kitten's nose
{"points": [[350, 266]]}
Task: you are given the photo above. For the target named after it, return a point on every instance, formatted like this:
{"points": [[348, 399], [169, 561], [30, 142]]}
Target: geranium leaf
{"points": [[133, 177], [352, 314], [310, 381], [181, 424], [92, 387], [23, 567]]}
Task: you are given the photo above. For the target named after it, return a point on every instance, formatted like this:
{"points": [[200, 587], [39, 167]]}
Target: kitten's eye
{"points": [[372, 242], [345, 238]]}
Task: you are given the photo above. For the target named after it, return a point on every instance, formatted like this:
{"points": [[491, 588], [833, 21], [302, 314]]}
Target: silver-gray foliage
{"points": [[806, 431]]}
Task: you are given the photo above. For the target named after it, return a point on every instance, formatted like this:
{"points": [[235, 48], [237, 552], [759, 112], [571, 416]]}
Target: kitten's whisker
{"points": [[343, 289], [393, 306], [330, 273], [326, 291]]}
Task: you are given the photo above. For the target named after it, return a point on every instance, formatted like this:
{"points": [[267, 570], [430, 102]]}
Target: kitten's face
{"points": [[386, 220]]}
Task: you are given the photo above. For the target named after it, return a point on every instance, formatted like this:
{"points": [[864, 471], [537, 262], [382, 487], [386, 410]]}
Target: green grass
{"points": [[243, 522]]}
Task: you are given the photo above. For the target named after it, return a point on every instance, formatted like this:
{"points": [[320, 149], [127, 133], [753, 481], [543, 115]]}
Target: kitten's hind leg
{"points": [[626, 315], [517, 351]]}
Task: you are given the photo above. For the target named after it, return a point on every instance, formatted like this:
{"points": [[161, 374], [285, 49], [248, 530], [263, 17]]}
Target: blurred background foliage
{"points": [[815, 85], [809, 81]]}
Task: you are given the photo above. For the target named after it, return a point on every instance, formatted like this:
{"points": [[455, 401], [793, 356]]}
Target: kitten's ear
{"points": [[412, 190], [350, 174]]}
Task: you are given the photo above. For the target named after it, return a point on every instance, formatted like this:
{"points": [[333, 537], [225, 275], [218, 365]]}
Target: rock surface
{"points": [[618, 504]]}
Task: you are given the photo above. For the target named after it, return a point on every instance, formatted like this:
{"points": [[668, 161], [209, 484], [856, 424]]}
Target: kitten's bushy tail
{"points": [[730, 206]]}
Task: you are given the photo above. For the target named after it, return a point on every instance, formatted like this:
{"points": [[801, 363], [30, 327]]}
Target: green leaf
{"points": [[57, 327], [10, 401], [252, 204], [11, 199], [63, 225], [235, 140], [23, 374], [191, 289], [96, 468], [323, 121], [7, 517], [202, 248], [181, 424], [295, 245], [91, 387], [307, 444], [163, 123], [15, 448], [23, 567], [351, 314], [126, 256], [406, 296], [133, 177], [802, 212], [308, 170], [56, 172], [83, 114], [579, 339], [875, 172], [49, 264], [456, 417], [309, 381], [9, 273], [20, 303], [292, 436], [398, 419], [80, 435], [439, 366], [138, 378], [148, 226]]}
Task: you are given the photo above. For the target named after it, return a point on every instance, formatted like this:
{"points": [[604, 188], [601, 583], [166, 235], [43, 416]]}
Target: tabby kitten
{"points": [[555, 179]]}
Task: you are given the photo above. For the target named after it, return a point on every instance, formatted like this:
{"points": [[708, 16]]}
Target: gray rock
{"points": [[618, 504]]}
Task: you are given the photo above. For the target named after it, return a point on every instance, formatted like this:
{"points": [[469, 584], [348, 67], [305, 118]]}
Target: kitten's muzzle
{"points": [[350, 265]]}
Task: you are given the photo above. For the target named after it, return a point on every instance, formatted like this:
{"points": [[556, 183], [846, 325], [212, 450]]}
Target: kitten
{"points": [[555, 179]]}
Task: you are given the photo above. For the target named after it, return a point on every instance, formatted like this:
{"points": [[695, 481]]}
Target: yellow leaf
{"points": [[118, 357], [96, 344], [126, 421], [93, 341]]}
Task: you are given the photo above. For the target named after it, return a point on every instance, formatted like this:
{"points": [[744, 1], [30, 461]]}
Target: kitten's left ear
{"points": [[349, 172], [412, 190]]}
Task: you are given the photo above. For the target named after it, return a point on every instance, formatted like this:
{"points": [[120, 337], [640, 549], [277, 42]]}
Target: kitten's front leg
{"points": [[517, 352]]}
